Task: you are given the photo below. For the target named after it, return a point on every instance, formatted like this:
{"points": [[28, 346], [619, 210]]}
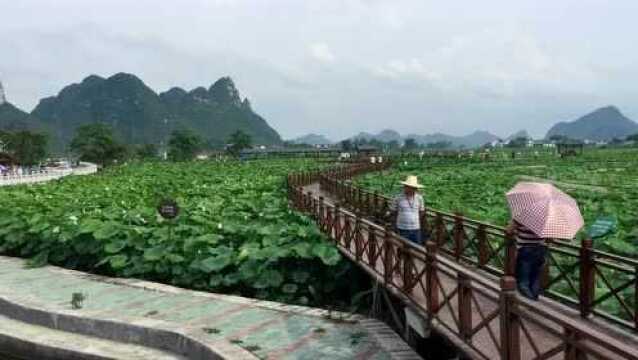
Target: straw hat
{"points": [[412, 182]]}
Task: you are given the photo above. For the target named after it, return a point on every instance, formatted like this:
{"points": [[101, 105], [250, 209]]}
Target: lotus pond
{"points": [[604, 182], [235, 233]]}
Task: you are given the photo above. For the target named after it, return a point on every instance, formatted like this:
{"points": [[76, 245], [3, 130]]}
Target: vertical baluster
{"points": [[465, 307], [372, 247], [387, 256], [483, 247], [458, 236], [386, 207], [347, 232], [328, 225], [587, 277], [423, 221], [321, 219], [337, 223], [510, 253], [509, 320], [440, 230], [309, 203], [572, 352], [407, 265], [431, 280], [358, 246]]}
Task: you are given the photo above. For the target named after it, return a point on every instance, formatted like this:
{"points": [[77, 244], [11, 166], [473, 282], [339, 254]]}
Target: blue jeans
{"points": [[412, 235], [529, 266]]}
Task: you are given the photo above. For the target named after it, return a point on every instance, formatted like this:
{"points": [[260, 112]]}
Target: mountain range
{"points": [[312, 139], [605, 123], [139, 115]]}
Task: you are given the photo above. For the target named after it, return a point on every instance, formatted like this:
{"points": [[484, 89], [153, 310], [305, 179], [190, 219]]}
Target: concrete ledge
{"points": [[24, 297], [154, 337], [10, 345]]}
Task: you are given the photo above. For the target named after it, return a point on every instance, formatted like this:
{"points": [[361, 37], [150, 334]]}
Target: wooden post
{"points": [[440, 230], [365, 207], [483, 247], [458, 237], [465, 307], [587, 277], [358, 246], [510, 324], [425, 224], [329, 225], [309, 202], [372, 248], [386, 207], [387, 256], [510, 253], [321, 218], [572, 352], [346, 232], [431, 282], [406, 269], [337, 223], [353, 197]]}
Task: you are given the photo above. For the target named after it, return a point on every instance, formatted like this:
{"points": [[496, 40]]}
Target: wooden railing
{"points": [[480, 309], [486, 316], [594, 281]]}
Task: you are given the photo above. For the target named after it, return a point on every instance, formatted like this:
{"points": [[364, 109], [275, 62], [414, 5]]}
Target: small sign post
{"points": [[169, 210]]}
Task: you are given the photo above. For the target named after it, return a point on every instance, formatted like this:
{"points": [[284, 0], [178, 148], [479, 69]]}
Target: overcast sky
{"points": [[340, 67]]}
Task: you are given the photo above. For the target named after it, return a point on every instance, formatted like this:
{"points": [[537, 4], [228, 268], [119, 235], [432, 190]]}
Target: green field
{"points": [[604, 182], [235, 233]]}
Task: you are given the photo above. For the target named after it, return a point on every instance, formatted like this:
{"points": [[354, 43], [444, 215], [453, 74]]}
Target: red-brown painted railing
{"points": [[469, 304], [572, 273], [488, 317]]}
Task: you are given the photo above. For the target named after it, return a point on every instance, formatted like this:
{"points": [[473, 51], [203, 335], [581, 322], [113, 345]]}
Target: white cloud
{"points": [[414, 65], [322, 52]]}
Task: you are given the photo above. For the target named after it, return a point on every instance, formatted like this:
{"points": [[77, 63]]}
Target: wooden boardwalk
{"points": [[478, 311]]}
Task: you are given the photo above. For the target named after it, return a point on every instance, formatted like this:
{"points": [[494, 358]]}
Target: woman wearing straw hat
{"points": [[540, 212], [408, 207]]}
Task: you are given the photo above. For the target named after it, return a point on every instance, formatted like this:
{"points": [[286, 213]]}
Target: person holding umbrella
{"points": [[540, 213], [408, 208]]}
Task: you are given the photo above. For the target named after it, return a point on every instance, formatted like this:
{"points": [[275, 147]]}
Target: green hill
{"points": [[12, 118], [139, 115], [216, 112], [603, 124]]}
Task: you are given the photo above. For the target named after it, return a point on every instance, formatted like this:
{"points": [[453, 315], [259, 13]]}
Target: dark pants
{"points": [[414, 236], [529, 267]]}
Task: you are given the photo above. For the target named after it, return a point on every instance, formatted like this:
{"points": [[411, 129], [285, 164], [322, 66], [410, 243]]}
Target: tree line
{"points": [[97, 143]]}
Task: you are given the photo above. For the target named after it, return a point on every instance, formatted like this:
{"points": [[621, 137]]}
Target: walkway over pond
{"points": [[462, 282], [84, 168]]}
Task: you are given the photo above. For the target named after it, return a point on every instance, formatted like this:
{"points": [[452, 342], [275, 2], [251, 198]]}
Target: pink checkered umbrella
{"points": [[547, 211]]}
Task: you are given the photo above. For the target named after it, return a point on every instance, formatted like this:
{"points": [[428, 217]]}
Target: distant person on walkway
{"points": [[408, 207]]}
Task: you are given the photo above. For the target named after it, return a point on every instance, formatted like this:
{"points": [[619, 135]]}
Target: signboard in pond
{"points": [[168, 209]]}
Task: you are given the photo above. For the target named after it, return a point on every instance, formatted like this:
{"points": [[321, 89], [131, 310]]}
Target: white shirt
{"points": [[408, 211]]}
